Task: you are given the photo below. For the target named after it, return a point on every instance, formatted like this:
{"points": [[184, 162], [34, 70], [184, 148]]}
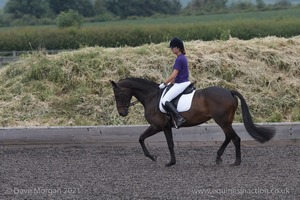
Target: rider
{"points": [[180, 78]]}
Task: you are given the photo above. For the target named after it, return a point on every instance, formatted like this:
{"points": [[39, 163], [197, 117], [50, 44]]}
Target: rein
{"points": [[134, 103]]}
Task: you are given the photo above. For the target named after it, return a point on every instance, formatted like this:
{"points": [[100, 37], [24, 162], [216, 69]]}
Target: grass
{"points": [[280, 23], [276, 15], [206, 19], [72, 87]]}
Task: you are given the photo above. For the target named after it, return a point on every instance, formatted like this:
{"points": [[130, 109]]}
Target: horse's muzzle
{"points": [[123, 114]]}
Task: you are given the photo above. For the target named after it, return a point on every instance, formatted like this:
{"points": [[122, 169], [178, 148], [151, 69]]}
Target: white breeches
{"points": [[175, 91]]}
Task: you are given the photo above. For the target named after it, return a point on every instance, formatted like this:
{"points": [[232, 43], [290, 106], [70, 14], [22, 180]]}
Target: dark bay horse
{"points": [[213, 102]]}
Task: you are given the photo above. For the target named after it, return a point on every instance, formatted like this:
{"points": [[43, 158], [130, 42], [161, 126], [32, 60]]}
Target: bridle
{"points": [[124, 104]]}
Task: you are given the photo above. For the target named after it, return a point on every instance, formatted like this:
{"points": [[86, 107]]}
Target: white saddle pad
{"points": [[184, 103]]}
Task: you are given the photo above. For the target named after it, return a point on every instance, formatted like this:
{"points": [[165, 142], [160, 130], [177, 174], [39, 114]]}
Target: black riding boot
{"points": [[178, 119]]}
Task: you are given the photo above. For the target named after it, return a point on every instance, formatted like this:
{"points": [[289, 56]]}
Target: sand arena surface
{"points": [[95, 172]]}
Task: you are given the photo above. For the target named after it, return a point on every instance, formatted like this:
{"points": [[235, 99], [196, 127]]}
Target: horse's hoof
{"points": [[236, 163], [170, 164], [153, 157], [219, 161]]}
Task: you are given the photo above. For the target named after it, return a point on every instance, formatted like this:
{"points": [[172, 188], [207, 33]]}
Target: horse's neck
{"points": [[146, 96], [143, 95]]}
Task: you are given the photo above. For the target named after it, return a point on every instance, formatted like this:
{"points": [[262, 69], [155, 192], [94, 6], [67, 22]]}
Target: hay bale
{"points": [[72, 87]]}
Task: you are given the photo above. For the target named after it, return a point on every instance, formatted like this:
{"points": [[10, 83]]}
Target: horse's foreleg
{"points": [[169, 138], [149, 132]]}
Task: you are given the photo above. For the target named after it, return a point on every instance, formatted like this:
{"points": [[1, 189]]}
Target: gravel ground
{"points": [[94, 172]]}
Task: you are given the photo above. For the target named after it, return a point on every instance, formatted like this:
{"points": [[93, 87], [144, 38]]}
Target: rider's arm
{"points": [[172, 77]]}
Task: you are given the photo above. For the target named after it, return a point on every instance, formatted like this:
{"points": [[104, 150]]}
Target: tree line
{"points": [[17, 12], [36, 12]]}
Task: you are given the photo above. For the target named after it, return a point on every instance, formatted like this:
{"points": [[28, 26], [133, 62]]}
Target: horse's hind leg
{"points": [[237, 143], [222, 149], [230, 134]]}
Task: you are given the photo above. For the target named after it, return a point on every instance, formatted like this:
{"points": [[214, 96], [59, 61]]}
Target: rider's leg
{"points": [[170, 95], [179, 120]]}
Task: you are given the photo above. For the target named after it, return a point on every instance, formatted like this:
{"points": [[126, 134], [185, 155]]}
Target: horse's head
{"points": [[123, 97]]}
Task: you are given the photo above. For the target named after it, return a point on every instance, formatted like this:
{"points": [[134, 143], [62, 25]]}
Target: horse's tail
{"points": [[259, 133]]}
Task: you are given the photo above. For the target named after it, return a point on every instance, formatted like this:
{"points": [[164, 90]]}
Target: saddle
{"points": [[191, 88]]}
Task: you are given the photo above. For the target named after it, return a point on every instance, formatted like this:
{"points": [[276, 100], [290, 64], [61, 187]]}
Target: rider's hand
{"points": [[162, 86]]}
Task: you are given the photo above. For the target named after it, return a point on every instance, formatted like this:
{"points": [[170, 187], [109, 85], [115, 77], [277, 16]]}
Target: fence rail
{"points": [[12, 56], [202, 135]]}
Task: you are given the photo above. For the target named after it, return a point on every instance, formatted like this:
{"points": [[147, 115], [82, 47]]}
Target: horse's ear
{"points": [[113, 84]]}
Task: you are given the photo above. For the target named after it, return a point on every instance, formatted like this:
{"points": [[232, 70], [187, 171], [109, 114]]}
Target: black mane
{"points": [[138, 83]]}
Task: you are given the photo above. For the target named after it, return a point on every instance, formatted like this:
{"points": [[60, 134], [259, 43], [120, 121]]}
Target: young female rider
{"points": [[180, 78]]}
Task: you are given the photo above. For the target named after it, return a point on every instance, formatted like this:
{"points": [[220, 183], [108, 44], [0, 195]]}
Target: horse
{"points": [[213, 102]]}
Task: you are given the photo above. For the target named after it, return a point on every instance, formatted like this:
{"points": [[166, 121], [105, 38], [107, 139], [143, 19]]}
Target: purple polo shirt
{"points": [[181, 64]]}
